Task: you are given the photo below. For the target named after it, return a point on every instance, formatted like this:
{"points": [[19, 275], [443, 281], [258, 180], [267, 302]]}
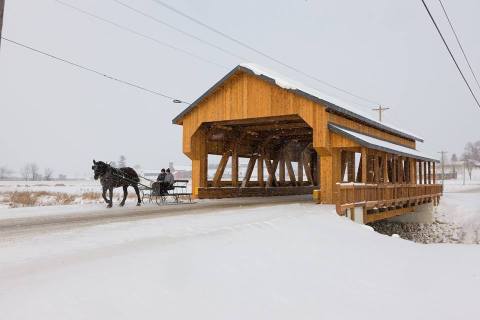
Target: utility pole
{"points": [[2, 7], [380, 110], [464, 168], [443, 153]]}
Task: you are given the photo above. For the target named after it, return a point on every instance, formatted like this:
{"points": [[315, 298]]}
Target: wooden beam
{"points": [[291, 173], [235, 165], [261, 183], [220, 169], [376, 168], [248, 174], [359, 170], [425, 174], [394, 169], [300, 171], [364, 165], [308, 169], [385, 167], [199, 158], [420, 172], [429, 172], [281, 169], [434, 174], [271, 127], [271, 169]]}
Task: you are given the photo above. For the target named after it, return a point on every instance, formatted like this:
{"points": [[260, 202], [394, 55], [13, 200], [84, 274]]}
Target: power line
{"points": [[243, 44], [95, 71], [450, 52], [459, 44], [124, 28], [142, 13]]}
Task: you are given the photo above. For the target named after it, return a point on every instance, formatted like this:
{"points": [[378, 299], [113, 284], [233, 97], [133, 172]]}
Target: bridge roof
{"points": [[332, 104], [381, 145]]}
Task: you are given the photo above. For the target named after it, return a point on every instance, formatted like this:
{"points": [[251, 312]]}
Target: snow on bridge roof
{"points": [[381, 145], [332, 104]]}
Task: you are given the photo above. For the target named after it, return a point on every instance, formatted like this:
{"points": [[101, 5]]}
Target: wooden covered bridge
{"points": [[299, 141]]}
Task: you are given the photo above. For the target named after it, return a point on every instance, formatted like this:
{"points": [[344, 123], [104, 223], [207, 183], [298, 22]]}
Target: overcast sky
{"points": [[62, 117]]}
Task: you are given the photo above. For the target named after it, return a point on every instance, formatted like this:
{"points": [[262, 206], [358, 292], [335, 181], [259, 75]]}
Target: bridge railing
{"points": [[387, 196]]}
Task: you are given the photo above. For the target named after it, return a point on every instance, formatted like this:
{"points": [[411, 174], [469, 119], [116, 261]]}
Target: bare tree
{"points": [[30, 172], [4, 172], [48, 174], [26, 172]]}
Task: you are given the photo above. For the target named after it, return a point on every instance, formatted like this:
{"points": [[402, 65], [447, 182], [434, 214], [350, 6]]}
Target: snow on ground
{"points": [[286, 261]]}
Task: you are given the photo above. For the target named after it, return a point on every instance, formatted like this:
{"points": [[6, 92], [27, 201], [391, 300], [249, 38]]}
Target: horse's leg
{"points": [[125, 193], [110, 193], [104, 192], [138, 194]]}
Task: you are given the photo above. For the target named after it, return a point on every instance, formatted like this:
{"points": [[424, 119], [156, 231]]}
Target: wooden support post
{"points": [[308, 169], [434, 174], [411, 167], [235, 166], [420, 172], [199, 158], [281, 168], [300, 170], [425, 174], [291, 173], [330, 175], [394, 169], [364, 164], [261, 183], [220, 169], [429, 172], [248, 174], [271, 168], [385, 167], [400, 171], [376, 168]]}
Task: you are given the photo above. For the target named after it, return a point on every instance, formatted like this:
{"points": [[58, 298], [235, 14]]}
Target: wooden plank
{"points": [[434, 174], [220, 169], [248, 173], [376, 168], [429, 172]]}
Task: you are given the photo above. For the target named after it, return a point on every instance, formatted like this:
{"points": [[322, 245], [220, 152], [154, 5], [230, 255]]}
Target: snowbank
{"points": [[298, 261]]}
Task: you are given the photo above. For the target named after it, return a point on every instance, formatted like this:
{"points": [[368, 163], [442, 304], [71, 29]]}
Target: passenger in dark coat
{"points": [[159, 186]]}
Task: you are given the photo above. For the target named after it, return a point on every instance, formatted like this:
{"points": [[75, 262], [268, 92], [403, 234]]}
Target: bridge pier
{"points": [[423, 214]]}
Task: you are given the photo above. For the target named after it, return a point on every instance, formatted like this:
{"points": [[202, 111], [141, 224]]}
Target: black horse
{"points": [[111, 177]]}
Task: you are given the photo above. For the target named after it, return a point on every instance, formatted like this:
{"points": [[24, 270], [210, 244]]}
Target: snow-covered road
{"points": [[283, 261]]}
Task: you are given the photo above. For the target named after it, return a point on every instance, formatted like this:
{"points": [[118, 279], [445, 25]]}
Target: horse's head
{"points": [[99, 169]]}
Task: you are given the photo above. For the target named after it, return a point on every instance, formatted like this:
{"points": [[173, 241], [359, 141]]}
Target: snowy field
{"points": [[271, 261]]}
